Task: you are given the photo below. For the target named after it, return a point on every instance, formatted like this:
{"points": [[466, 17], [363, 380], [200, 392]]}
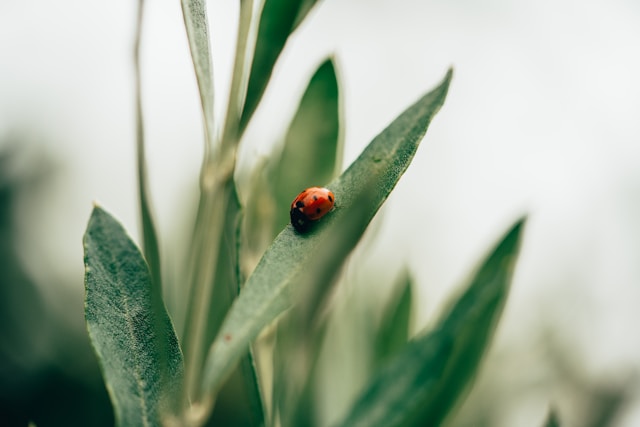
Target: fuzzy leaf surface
{"points": [[129, 327]]}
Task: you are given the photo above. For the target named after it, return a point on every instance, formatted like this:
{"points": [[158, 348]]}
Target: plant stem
{"points": [[149, 237], [208, 230], [216, 189], [239, 79]]}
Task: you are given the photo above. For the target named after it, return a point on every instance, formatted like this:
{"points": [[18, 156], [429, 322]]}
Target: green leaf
{"points": [[195, 21], [226, 283], [240, 77], [552, 419], [129, 327], [258, 218], [362, 188], [313, 139], [304, 8], [393, 333], [421, 385], [295, 372], [150, 245], [312, 148], [244, 390], [278, 20]]}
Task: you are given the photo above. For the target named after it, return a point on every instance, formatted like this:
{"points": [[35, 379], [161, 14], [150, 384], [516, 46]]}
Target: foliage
{"points": [[129, 327], [231, 298]]}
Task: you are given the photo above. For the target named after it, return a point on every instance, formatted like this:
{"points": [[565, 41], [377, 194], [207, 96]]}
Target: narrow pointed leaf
{"points": [[150, 245], [226, 283], [552, 419], [195, 20], [270, 289], [239, 77], [244, 390], [312, 146], [422, 383], [258, 217], [310, 156], [304, 8], [278, 20], [129, 327], [393, 333]]}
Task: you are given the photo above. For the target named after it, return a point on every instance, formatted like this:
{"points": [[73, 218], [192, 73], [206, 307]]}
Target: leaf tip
{"points": [[98, 210], [446, 81], [449, 74], [518, 226], [511, 241]]}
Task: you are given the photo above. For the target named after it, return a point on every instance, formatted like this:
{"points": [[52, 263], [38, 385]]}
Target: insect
{"points": [[309, 206]]}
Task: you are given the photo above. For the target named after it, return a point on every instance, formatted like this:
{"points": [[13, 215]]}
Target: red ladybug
{"points": [[310, 205]]}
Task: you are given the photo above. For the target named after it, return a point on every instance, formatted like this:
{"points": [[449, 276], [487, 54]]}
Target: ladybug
{"points": [[310, 205]]}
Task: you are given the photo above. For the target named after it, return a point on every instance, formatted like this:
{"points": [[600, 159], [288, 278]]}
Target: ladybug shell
{"points": [[310, 205]]}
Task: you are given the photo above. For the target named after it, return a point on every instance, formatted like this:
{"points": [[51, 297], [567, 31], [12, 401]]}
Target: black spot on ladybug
{"points": [[315, 197], [318, 210], [330, 198], [299, 204]]}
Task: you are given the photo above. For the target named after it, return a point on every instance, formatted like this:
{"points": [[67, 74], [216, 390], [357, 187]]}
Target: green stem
{"points": [[149, 237], [208, 231], [240, 77], [216, 181]]}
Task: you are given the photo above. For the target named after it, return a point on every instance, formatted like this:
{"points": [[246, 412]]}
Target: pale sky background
{"points": [[542, 118]]}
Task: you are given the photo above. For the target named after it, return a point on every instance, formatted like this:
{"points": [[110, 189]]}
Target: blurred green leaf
{"points": [[270, 289], [240, 75], [552, 419], [150, 245], [226, 283], [303, 9], [234, 406], [129, 327], [278, 20], [295, 367], [244, 391], [259, 216], [312, 147], [310, 156], [393, 333], [421, 385], [195, 21]]}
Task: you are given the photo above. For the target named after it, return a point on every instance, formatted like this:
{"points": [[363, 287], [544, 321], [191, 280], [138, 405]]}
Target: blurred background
{"points": [[542, 118]]}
